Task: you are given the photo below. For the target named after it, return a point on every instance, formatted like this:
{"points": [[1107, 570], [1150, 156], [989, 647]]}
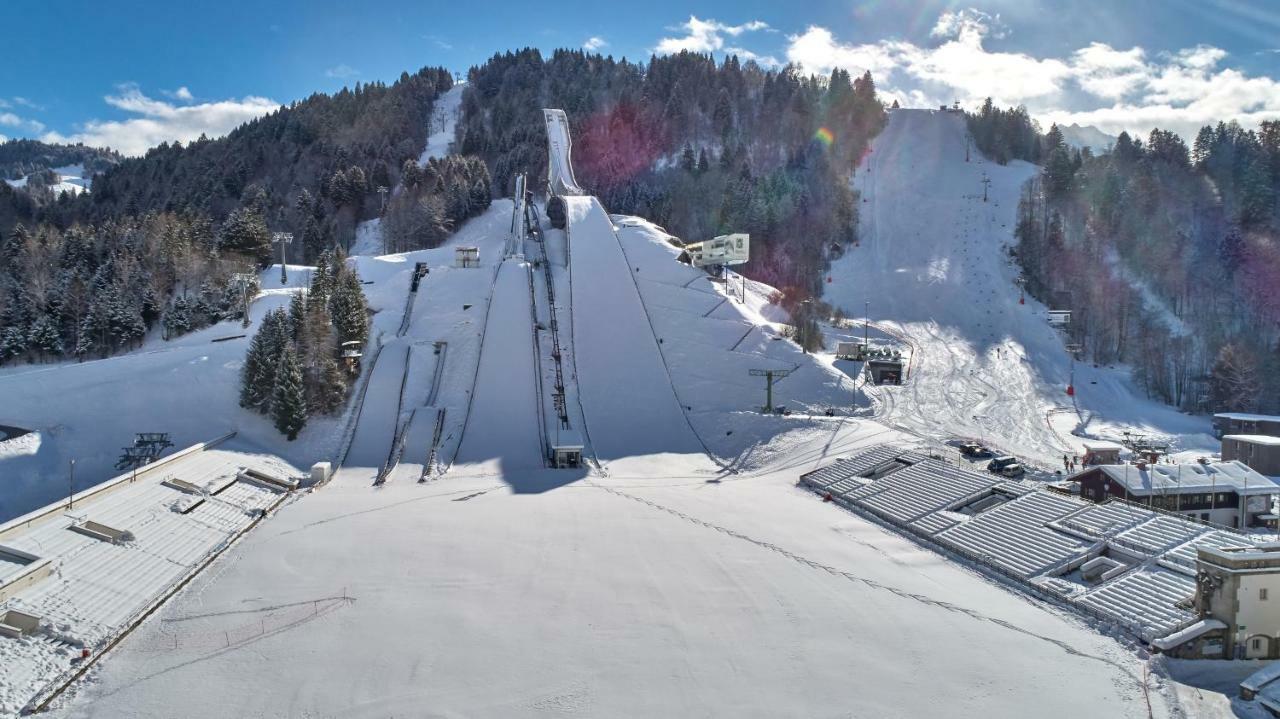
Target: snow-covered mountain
{"points": [[1082, 136]]}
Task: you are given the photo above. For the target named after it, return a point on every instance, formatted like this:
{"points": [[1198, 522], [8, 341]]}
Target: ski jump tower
{"points": [[560, 179]]}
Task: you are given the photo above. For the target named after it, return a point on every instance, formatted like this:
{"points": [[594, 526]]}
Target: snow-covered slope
{"points": [[503, 423], [933, 262], [444, 120], [626, 391]]}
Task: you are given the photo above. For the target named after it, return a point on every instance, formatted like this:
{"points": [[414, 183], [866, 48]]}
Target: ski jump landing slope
{"points": [[627, 397], [503, 421], [933, 262]]}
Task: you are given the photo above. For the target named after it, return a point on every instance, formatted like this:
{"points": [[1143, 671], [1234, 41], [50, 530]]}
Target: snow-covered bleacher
{"points": [[1014, 537], [1152, 602], [919, 489], [104, 582], [1183, 558], [1037, 536], [852, 468], [1159, 534], [1104, 520]]}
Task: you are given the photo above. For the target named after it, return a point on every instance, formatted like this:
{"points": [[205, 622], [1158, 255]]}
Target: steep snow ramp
{"points": [[627, 398], [559, 149], [503, 422], [376, 427]]}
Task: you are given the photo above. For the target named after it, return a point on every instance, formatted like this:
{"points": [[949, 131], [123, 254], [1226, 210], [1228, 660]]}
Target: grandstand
{"points": [[1129, 565]]}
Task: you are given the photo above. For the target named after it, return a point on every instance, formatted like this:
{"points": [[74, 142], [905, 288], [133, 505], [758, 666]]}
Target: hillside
{"points": [[941, 283]]}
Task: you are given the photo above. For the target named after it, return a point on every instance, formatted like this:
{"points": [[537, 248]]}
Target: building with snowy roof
{"points": [[78, 574], [1230, 494], [1225, 423], [1261, 452]]}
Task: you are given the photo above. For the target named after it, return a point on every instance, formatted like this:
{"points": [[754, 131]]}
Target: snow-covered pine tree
{"points": [[288, 399], [350, 314]]}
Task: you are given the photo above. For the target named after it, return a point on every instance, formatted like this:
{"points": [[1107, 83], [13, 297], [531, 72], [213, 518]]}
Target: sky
{"points": [[132, 74]]}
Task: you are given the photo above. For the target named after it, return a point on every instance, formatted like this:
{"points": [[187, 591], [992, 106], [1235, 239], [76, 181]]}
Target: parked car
{"points": [[1006, 467], [974, 450]]}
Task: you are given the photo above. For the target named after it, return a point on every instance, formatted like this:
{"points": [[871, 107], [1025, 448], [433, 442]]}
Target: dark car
{"points": [[974, 450], [1005, 466]]}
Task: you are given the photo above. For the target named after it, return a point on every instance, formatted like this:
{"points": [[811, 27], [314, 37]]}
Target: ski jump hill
{"points": [[933, 262], [627, 395], [503, 422]]}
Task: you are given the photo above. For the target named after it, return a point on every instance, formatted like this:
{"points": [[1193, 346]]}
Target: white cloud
{"points": [[593, 43], [960, 68], [438, 42], [704, 35], [158, 121], [9, 119], [3, 138], [968, 25], [766, 61], [341, 72], [1111, 88], [183, 94]]}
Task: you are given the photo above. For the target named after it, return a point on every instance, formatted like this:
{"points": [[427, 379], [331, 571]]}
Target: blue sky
{"points": [[133, 73]]}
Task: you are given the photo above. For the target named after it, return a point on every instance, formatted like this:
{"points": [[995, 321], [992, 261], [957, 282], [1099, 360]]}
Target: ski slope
{"points": [[933, 263], [627, 397], [504, 416]]}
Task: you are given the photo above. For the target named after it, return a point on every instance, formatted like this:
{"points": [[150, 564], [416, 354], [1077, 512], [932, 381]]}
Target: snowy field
{"points": [[632, 596], [933, 263]]}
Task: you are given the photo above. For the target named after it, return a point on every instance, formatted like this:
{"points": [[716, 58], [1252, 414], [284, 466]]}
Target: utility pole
{"points": [[986, 182], [967, 138], [769, 375], [866, 325], [243, 279], [382, 190], [283, 239], [71, 485]]}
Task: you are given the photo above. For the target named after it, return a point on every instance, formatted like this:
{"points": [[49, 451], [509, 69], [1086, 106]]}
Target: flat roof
{"points": [[1101, 444], [1255, 439], [1248, 417], [1189, 478]]}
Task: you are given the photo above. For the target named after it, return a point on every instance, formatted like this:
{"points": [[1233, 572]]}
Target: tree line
{"points": [[294, 365], [701, 147], [1168, 256]]}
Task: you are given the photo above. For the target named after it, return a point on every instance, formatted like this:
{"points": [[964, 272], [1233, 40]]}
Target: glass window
{"points": [[1262, 594]]}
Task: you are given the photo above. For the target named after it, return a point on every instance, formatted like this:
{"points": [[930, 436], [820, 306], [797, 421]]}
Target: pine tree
{"points": [[688, 160], [349, 310], [288, 398], [245, 232]]}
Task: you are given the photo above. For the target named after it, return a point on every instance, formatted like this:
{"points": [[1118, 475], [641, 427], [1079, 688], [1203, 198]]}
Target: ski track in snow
{"points": [[983, 366]]}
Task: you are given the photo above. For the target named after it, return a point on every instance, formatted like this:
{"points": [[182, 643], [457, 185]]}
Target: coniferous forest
{"points": [[1168, 256], [700, 147]]}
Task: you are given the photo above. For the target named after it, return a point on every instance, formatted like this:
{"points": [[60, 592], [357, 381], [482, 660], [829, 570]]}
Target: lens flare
{"points": [[825, 136]]}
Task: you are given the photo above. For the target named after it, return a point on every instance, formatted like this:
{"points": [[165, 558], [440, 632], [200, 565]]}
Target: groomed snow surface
{"points": [[657, 596]]}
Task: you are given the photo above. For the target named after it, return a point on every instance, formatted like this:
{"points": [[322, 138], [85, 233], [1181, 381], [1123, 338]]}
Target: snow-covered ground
{"points": [[444, 121], [71, 179], [933, 262], [686, 576], [635, 595]]}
